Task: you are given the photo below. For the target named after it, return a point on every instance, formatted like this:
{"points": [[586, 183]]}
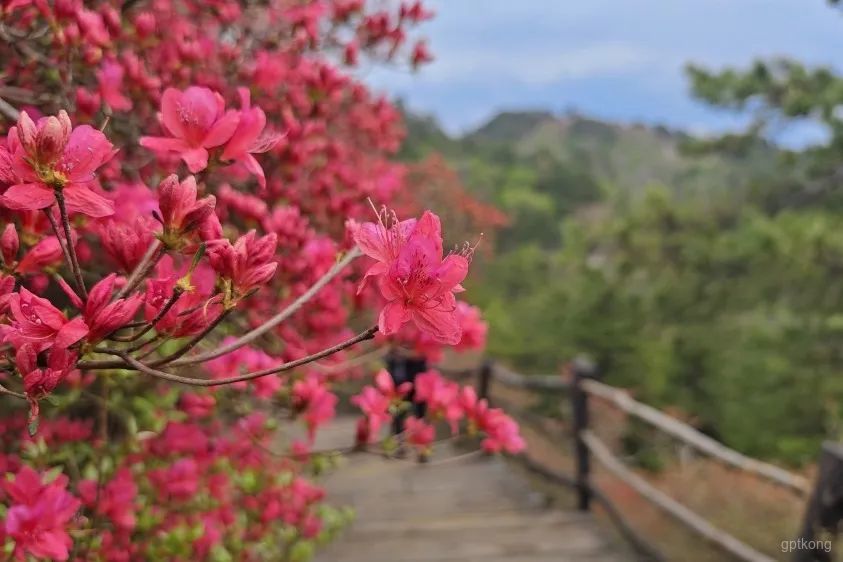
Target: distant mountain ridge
{"points": [[625, 156]]}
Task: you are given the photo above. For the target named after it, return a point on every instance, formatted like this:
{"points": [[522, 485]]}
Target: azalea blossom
{"points": [[181, 212], [249, 138], [39, 515], [110, 77], [375, 408], [52, 156], [474, 329], [420, 434], [197, 120], [38, 382], [414, 278], [246, 264], [315, 402], [115, 500], [37, 322], [102, 317]]}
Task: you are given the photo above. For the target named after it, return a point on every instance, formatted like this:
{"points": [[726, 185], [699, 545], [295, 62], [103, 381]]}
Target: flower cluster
{"points": [[446, 401], [175, 180]]}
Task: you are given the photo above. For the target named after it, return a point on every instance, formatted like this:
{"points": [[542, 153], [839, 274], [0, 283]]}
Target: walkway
{"points": [[457, 508]]}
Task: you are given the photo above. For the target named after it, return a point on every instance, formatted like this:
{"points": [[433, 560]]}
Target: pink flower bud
{"points": [[9, 244], [52, 137], [27, 133]]}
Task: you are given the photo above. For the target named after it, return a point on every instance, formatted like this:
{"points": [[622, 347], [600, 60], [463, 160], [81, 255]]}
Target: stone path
{"points": [[457, 508]]}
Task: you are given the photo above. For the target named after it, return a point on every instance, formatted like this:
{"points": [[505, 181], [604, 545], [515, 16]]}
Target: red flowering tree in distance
{"points": [[185, 189]]}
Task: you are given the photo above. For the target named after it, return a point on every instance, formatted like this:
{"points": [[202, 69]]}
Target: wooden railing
{"points": [[823, 514]]}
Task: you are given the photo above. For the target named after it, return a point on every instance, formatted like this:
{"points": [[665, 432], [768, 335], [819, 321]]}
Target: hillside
{"points": [[624, 157]]}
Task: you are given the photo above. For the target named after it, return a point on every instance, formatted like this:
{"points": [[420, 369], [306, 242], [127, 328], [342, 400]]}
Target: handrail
{"points": [[508, 377], [670, 506], [587, 444], [695, 438], [660, 420]]}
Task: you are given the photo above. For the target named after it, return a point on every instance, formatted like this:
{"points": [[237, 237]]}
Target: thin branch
{"points": [[9, 110], [177, 293], [193, 342], [62, 242], [143, 368], [275, 320], [148, 261], [74, 261], [361, 359], [7, 392]]}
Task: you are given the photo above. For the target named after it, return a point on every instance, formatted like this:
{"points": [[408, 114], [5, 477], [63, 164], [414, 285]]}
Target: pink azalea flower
{"points": [[420, 434], [386, 386], [249, 138], [413, 277], [180, 481], [115, 501], [9, 245], [247, 264], [440, 395], [181, 212], [474, 329], [110, 77], [39, 382], [126, 242], [102, 316], [197, 120], [375, 406], [37, 322], [315, 402], [38, 518], [45, 253], [53, 155], [502, 432]]}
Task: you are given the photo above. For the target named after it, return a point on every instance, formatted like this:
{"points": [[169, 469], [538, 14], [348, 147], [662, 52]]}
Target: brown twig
{"points": [[148, 261], [7, 392], [194, 341], [177, 293], [74, 261], [146, 369], [275, 320]]}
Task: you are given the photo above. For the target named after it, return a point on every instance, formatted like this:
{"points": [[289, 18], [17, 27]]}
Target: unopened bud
{"points": [[9, 244], [50, 142]]}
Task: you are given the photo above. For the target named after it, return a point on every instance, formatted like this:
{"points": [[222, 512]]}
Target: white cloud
{"points": [[543, 67]]}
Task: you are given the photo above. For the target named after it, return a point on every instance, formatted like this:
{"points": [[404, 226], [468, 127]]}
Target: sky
{"points": [[618, 60]]}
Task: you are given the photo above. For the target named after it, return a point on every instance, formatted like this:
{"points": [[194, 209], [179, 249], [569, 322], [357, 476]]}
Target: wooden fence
{"points": [[823, 513]]}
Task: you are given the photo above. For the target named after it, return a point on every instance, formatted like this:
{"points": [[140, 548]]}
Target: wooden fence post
{"points": [[582, 369], [484, 378], [825, 510]]}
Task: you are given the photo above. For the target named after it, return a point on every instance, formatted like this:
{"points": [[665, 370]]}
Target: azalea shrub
{"points": [[196, 247]]}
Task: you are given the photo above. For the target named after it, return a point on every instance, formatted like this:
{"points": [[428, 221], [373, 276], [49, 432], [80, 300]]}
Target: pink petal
{"points": [[87, 150], [28, 197], [429, 227], [164, 144], [170, 113], [71, 294], [80, 199], [392, 317], [196, 159], [71, 333], [255, 168], [222, 129], [452, 271], [371, 238], [251, 125], [440, 323], [99, 295]]}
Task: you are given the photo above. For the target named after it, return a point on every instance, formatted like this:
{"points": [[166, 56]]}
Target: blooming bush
{"points": [[185, 188]]}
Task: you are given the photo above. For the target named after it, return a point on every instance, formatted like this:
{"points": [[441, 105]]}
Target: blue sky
{"points": [[619, 60]]}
